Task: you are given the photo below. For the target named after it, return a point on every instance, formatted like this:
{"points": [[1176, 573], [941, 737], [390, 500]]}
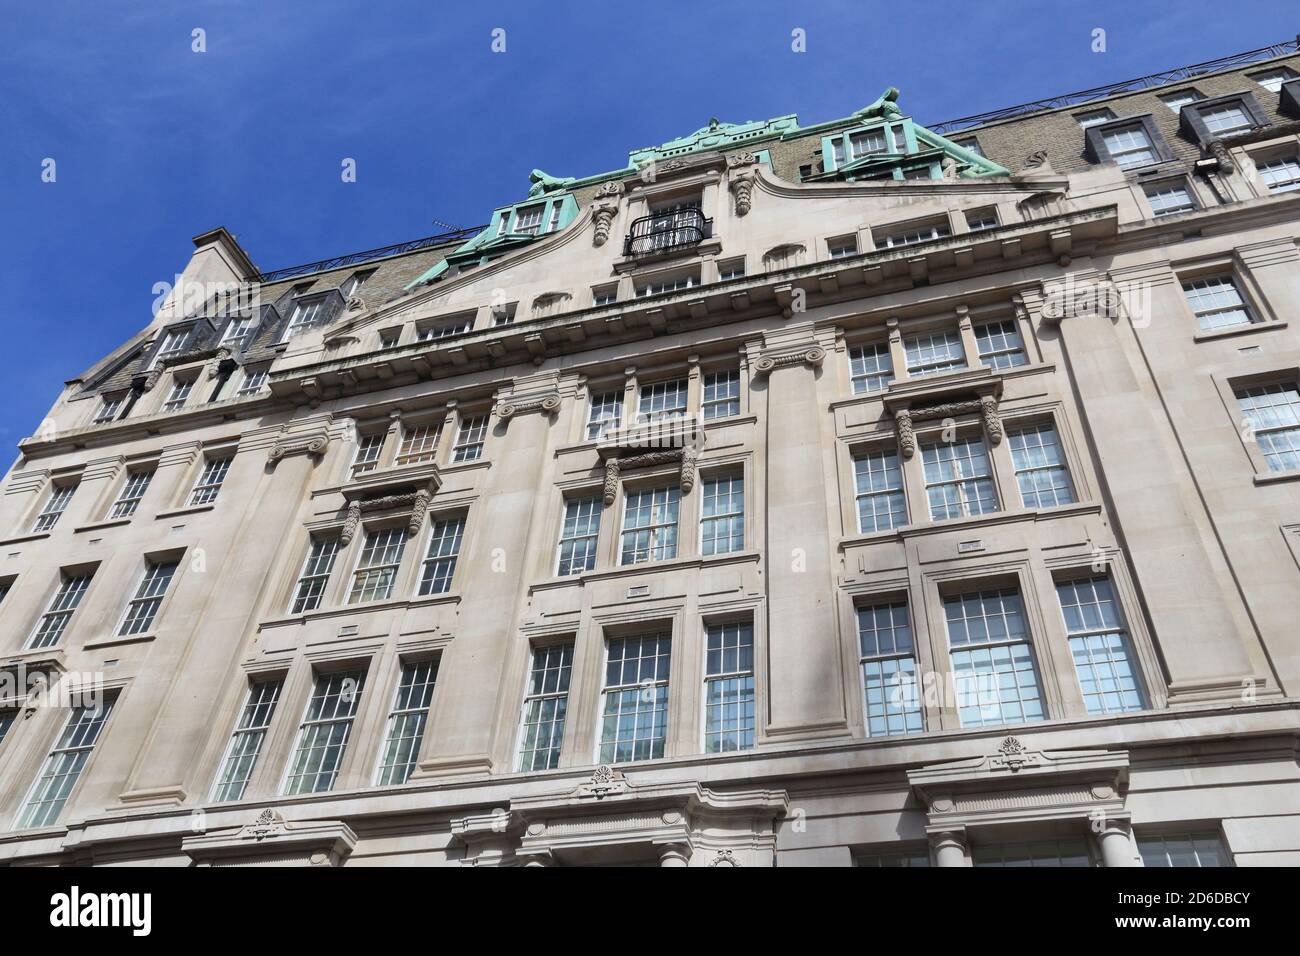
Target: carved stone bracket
{"points": [[741, 181], [417, 501], [313, 443], [222, 363], [615, 466], [605, 782], [545, 403], [986, 406], [812, 357], [724, 858], [1223, 156], [602, 215]]}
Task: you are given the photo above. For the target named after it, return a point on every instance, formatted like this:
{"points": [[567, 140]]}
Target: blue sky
{"points": [[155, 143]]}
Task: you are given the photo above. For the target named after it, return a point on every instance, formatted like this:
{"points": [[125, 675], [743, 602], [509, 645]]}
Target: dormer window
{"points": [[1129, 146], [109, 407], [173, 344], [1094, 118], [237, 332], [445, 328], [1273, 79], [1221, 118], [867, 142], [528, 220], [304, 314], [504, 314], [1176, 101], [1227, 120], [354, 282]]}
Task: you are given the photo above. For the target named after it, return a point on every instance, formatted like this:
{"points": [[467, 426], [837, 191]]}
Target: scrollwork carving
{"points": [[548, 404], [906, 433], [602, 215], [313, 444], [813, 357]]}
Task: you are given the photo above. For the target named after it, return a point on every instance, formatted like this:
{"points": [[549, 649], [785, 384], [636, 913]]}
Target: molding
{"points": [[270, 837]]}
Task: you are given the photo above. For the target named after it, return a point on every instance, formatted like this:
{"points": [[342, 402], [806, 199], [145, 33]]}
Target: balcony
{"points": [[662, 232]]}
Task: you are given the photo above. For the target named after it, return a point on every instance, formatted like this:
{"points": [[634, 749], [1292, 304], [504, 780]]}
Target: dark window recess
{"points": [[1094, 138], [1288, 102], [1197, 120]]}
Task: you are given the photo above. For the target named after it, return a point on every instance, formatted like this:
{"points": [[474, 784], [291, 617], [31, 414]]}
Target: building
{"points": [[862, 492]]}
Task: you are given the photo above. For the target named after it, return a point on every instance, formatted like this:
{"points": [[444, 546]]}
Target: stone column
{"points": [[1161, 523], [494, 564], [805, 694], [949, 847], [674, 854], [1114, 841]]}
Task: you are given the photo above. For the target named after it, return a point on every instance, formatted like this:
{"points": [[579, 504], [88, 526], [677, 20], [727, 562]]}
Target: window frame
{"points": [[1098, 152], [545, 647]]}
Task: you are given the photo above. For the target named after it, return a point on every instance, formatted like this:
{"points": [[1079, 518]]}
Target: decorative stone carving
{"points": [[602, 215], [1036, 159], [614, 466], [268, 823], [313, 443], [417, 501], [548, 403], [605, 781], [986, 406], [356, 304], [549, 302], [812, 357], [610, 190], [1013, 753], [785, 256], [724, 858], [1222, 155], [741, 181]]}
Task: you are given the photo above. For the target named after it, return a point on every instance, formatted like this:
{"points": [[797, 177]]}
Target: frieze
{"points": [[417, 501]]}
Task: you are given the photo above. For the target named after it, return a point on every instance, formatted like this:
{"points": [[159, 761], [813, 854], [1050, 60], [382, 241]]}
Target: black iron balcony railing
{"points": [[664, 231]]}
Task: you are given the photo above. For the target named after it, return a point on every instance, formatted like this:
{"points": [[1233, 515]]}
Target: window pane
{"points": [[1202, 848], [377, 566], [64, 764], [315, 574], [406, 723], [1272, 413], [545, 706], [606, 413], [54, 622], [1040, 469], [892, 703], [324, 732], [958, 481], [1217, 302], [932, 352], [1099, 645], [634, 713], [870, 367], [440, 559], [729, 688], [1000, 345], [246, 742], [1041, 853], [879, 490], [650, 525], [143, 608], [721, 393], [578, 535], [722, 528], [993, 664]]}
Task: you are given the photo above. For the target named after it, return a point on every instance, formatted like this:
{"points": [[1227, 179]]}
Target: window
{"points": [[911, 235], [1176, 101], [888, 661], [179, 394], [1040, 853], [109, 407], [419, 443], [604, 295], [871, 367], [369, 448], [842, 247], [173, 344], [929, 353], [1094, 118], [650, 525], [254, 381], [1217, 302], [879, 490], [731, 269], [303, 316], [377, 565], [578, 535], [6, 721], [667, 284], [440, 559], [353, 283], [504, 314], [999, 344], [605, 415], [324, 732], [992, 662], [64, 765], [1040, 468], [722, 529], [143, 608], [528, 220], [442, 330], [55, 505], [4, 589], [315, 574], [554, 222], [1129, 146], [246, 741], [546, 703], [1228, 119], [54, 622], [971, 144], [977, 220], [893, 858], [867, 142], [1099, 645], [729, 688], [209, 481], [469, 438], [406, 723], [237, 332], [721, 393], [128, 499], [958, 480], [662, 401], [1272, 412], [634, 711], [1169, 198], [1280, 175], [1273, 79], [1202, 848]]}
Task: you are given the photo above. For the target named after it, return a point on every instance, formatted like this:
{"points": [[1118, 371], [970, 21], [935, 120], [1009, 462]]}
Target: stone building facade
{"points": [[858, 493]]}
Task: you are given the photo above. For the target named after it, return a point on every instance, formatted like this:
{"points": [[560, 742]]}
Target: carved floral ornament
{"points": [[986, 405], [687, 455], [417, 501]]}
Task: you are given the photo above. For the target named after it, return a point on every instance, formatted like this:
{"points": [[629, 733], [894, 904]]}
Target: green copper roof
{"points": [[716, 135]]}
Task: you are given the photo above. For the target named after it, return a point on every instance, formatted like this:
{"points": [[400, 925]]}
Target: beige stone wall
{"points": [[1197, 535]]}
